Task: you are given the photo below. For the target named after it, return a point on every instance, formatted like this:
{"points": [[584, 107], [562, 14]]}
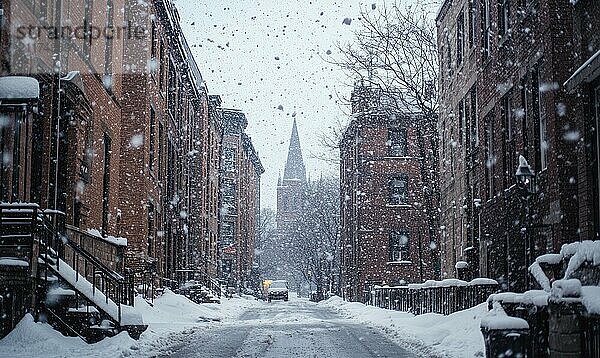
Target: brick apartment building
{"points": [[386, 236], [584, 84], [502, 69], [239, 203], [124, 142]]}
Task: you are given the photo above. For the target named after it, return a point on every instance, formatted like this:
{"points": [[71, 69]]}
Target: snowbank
{"points": [[455, 335], [31, 339], [497, 319], [169, 315]]}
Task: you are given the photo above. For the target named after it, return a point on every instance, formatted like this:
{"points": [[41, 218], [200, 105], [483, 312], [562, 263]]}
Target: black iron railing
{"points": [[441, 298], [30, 233]]}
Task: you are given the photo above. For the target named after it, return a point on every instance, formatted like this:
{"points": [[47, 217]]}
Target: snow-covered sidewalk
{"points": [[170, 315], [455, 335]]}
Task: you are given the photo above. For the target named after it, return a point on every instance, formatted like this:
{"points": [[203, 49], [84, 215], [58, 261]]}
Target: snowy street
{"points": [[297, 328]]}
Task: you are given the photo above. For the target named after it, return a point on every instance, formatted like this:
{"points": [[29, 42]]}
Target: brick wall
{"points": [[368, 219]]}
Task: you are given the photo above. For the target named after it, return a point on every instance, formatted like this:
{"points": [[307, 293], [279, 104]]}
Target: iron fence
{"points": [[444, 297]]}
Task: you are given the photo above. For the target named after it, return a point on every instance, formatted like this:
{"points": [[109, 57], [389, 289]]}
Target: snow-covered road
{"points": [[246, 327], [297, 328]]}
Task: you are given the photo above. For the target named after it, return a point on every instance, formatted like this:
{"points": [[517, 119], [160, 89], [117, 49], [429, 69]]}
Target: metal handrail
{"points": [[115, 286]]}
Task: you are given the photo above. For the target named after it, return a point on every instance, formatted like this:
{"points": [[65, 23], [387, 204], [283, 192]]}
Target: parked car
{"points": [[278, 290]]}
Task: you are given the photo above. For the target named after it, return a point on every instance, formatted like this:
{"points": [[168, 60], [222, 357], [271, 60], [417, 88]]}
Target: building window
{"points": [[510, 156], [539, 124], [161, 74], [490, 162], [523, 115], [397, 142], [460, 38], [228, 192], [150, 229], [448, 58], [161, 149], [461, 121], [227, 234], [229, 160], [471, 15], [398, 190], [503, 17], [399, 248], [473, 123], [87, 25], [597, 174], [106, 183], [486, 31], [152, 135], [153, 41], [108, 47], [543, 135]]}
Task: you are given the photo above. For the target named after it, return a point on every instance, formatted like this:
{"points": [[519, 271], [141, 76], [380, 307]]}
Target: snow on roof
{"points": [[13, 261], [19, 88], [497, 319]]}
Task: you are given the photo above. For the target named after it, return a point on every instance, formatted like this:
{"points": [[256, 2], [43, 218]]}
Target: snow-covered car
{"points": [[278, 290]]}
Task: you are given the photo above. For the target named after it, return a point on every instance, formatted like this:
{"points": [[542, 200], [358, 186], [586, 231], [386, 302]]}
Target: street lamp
{"points": [[525, 176], [526, 183]]}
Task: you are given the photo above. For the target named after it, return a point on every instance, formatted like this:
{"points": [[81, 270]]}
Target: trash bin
{"points": [[505, 342], [504, 336]]}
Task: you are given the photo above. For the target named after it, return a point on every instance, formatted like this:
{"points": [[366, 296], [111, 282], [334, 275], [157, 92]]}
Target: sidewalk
{"points": [[455, 335]]}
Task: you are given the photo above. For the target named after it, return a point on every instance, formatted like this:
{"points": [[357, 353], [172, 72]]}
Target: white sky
{"points": [[259, 55]]}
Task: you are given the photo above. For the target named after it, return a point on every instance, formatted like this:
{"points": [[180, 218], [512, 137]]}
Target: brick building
{"points": [[502, 66], [584, 85], [124, 142], [386, 236], [240, 197], [459, 148]]}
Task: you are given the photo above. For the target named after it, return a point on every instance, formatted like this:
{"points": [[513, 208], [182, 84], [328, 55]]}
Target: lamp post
{"points": [[527, 186]]}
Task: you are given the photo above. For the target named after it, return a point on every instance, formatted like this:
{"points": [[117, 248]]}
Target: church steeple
{"points": [[294, 166]]}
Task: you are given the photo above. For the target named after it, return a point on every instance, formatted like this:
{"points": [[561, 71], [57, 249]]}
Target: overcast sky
{"points": [[260, 55]]}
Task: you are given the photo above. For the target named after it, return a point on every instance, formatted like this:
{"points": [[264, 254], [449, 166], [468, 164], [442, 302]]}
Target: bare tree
{"points": [[317, 250], [395, 50]]}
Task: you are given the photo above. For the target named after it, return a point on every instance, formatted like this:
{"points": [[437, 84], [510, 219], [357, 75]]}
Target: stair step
{"points": [[13, 261], [59, 291], [84, 309]]}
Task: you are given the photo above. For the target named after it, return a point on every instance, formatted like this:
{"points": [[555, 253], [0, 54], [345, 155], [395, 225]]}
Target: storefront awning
{"points": [[19, 88], [589, 71]]}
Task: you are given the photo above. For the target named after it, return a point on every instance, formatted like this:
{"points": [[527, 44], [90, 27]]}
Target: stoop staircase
{"points": [[68, 287]]}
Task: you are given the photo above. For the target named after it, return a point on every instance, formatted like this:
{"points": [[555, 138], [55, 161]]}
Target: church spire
{"points": [[294, 167]]}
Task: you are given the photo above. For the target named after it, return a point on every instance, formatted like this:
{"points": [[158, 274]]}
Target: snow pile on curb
{"points": [[169, 315], [31, 339], [171, 308], [455, 335]]}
